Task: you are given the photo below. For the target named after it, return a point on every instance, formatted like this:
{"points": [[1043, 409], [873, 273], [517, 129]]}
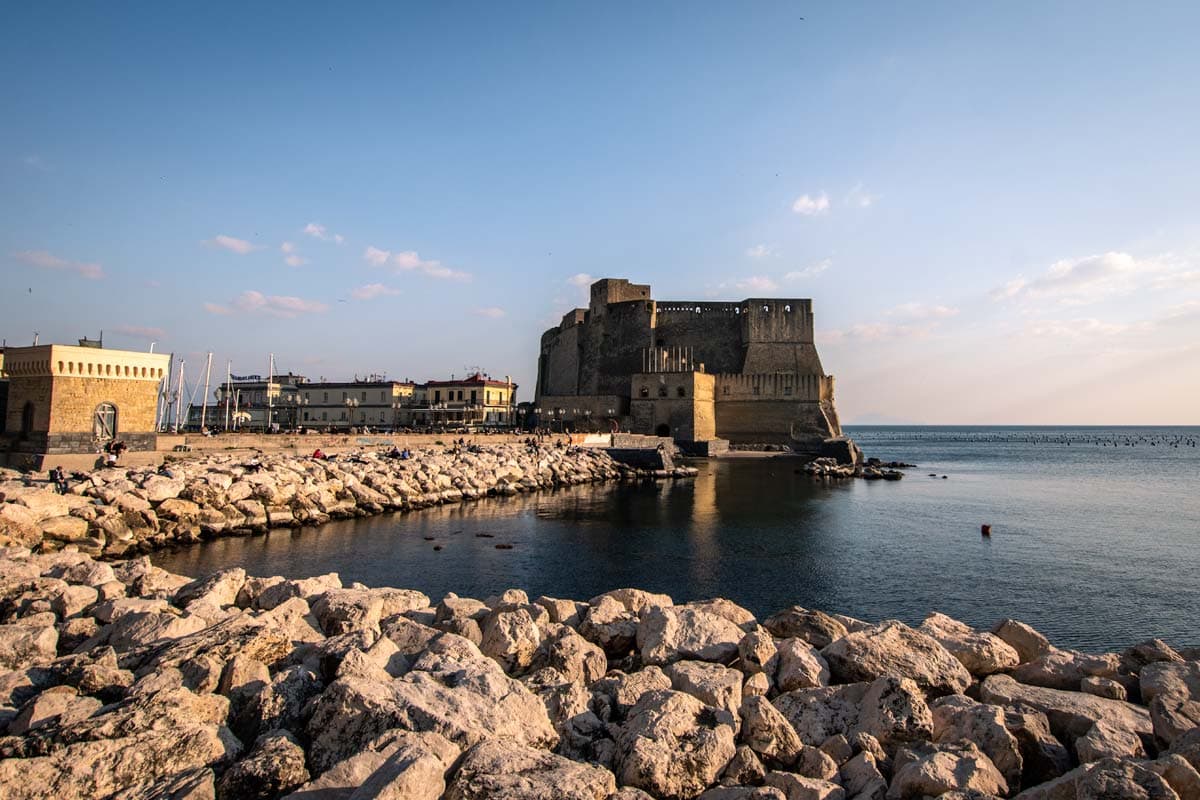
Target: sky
{"points": [[995, 207]]}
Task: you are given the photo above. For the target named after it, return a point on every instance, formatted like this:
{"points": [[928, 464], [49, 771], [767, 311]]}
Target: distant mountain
{"points": [[874, 418]]}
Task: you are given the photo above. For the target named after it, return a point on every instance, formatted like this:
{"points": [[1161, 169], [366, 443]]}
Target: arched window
{"points": [[27, 418], [104, 424]]}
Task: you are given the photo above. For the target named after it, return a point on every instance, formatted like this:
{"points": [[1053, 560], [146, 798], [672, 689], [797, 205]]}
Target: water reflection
{"points": [[766, 536]]}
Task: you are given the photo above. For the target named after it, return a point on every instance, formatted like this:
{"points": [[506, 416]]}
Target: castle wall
{"points": [[712, 330], [764, 379], [559, 370]]}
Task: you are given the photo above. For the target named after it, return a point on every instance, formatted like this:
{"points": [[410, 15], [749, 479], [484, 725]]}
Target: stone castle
{"points": [[747, 372]]}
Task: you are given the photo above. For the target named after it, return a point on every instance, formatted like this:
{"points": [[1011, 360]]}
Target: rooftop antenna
{"points": [[35, 338], [152, 346]]}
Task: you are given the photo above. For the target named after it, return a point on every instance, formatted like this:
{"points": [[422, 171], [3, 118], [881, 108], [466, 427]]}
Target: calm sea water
{"points": [[1096, 536]]}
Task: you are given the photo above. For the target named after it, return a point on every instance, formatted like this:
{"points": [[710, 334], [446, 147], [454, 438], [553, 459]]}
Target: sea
{"points": [[1095, 536]]}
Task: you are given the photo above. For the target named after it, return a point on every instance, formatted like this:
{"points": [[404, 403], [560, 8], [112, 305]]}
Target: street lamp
{"points": [[295, 402], [351, 404]]}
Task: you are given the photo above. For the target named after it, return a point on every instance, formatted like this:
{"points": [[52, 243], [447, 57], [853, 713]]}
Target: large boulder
{"points": [[892, 711], [1071, 714], [275, 765], [815, 627], [577, 659], [511, 638], [1066, 669], [932, 770], [30, 641], [494, 769], [345, 610], [1029, 643], [711, 684], [959, 719], [893, 648], [767, 732], [672, 745], [799, 665], [981, 653], [452, 689], [670, 633]]}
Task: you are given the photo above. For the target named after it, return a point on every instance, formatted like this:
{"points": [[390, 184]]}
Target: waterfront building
{"points": [[477, 400], [67, 399], [373, 402], [745, 372]]}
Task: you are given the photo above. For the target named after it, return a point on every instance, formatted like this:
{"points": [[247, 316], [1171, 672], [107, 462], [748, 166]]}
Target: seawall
{"points": [[114, 512]]}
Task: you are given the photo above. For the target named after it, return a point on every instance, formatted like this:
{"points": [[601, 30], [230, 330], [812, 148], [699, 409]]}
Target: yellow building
{"points": [[476, 400], [66, 399]]}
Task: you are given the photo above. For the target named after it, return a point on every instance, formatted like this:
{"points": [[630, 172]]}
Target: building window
{"points": [[343, 415], [724, 390], [325, 399], [437, 396], [755, 390], [681, 392], [383, 397], [473, 397], [787, 390], [344, 397], [662, 391], [104, 423], [324, 416], [364, 397], [645, 392], [27, 418]]}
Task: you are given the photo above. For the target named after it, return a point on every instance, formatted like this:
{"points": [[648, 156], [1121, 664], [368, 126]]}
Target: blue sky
{"points": [[995, 206]]}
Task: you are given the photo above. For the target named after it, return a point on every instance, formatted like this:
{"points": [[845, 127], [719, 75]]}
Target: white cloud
{"points": [[859, 197], [580, 279], [491, 312], [376, 257], [252, 302], [372, 290], [411, 261], [916, 311], [811, 205], [232, 244], [291, 257], [139, 332], [811, 271], [43, 260], [319, 231], [1085, 280], [760, 251]]}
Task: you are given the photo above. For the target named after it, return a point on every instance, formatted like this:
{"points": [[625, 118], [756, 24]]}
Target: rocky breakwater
{"points": [[121, 680], [120, 512]]}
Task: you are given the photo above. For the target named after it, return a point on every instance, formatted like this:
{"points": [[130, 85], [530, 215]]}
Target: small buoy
{"points": [[428, 538], [437, 547], [944, 477], [986, 530], [484, 536], [504, 547]]}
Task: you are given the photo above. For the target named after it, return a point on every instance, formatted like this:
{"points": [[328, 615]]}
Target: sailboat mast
{"points": [[179, 395], [204, 401]]}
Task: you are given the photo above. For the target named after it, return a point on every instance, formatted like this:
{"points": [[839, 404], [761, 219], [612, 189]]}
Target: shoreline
{"points": [[117, 512], [125, 680]]}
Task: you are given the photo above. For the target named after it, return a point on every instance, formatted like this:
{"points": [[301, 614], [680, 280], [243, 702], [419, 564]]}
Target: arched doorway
{"points": [[104, 423], [663, 430]]}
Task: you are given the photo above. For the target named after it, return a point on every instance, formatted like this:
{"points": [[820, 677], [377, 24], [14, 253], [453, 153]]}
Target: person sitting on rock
{"points": [[318, 455], [60, 480], [254, 465]]}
